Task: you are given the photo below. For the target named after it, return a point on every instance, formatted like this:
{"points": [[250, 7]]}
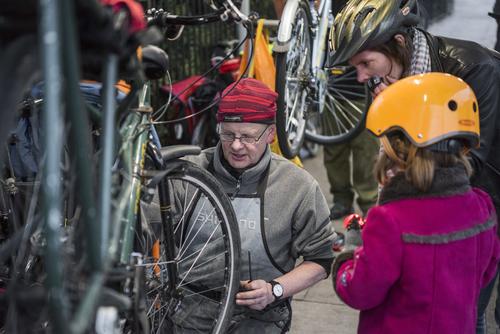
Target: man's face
{"points": [[241, 155]]}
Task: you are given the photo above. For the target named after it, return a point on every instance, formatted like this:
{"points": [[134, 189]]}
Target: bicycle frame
{"points": [[105, 247], [321, 20], [108, 223]]}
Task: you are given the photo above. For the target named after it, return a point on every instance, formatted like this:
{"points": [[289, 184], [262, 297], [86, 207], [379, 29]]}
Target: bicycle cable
{"points": [[216, 100]]}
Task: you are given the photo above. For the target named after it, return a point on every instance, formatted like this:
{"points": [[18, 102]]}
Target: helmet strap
{"points": [[389, 150], [452, 146], [412, 152]]}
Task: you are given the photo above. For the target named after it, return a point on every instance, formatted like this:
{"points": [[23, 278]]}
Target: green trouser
{"points": [[337, 159]]}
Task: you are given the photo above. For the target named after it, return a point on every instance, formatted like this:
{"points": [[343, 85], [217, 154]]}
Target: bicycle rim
{"points": [[344, 112], [293, 77], [207, 249]]}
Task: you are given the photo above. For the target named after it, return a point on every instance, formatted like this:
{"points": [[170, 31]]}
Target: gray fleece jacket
{"points": [[296, 215]]}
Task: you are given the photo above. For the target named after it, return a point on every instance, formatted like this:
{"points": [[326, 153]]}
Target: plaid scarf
{"points": [[421, 58]]}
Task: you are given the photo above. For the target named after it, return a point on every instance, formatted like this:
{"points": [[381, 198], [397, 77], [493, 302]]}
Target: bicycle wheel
{"points": [[23, 237], [293, 78], [344, 112], [191, 283], [23, 243], [20, 277]]}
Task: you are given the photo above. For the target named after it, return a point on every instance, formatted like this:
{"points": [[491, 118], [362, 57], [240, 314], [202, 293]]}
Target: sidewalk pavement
{"points": [[317, 309]]}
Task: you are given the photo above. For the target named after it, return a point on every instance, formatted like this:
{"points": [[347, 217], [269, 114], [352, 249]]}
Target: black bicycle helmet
{"points": [[363, 24]]}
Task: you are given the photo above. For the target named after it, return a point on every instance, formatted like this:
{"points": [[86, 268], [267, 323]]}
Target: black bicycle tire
{"points": [[288, 149], [190, 172], [325, 138]]}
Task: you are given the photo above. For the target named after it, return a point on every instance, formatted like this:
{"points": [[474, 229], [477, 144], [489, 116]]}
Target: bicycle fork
{"points": [[168, 223]]}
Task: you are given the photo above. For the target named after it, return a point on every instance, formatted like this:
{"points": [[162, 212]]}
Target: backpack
{"points": [[24, 144]]}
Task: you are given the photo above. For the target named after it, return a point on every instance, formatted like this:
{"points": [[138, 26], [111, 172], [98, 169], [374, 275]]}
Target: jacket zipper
{"points": [[238, 185]]}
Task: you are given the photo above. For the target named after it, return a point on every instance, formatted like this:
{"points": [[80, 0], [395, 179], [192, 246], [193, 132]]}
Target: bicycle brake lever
{"points": [[235, 10]]}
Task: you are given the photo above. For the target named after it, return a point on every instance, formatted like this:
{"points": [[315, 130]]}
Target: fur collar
{"points": [[447, 182]]}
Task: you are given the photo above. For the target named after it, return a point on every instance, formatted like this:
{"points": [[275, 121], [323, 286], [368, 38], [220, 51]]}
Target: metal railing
{"points": [[191, 53]]}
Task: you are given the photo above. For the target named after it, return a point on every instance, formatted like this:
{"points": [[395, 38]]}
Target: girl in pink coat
{"points": [[431, 243]]}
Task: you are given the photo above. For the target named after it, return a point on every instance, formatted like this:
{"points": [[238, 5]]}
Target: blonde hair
{"points": [[418, 164]]}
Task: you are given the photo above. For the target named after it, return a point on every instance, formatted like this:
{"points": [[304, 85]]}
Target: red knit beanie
{"points": [[248, 101]]}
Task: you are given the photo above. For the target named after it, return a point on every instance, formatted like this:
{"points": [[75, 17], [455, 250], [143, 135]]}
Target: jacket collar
{"points": [[248, 176], [434, 52], [447, 182]]}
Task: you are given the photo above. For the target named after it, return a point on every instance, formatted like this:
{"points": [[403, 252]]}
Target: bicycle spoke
{"points": [[202, 278], [204, 247], [205, 291], [199, 250]]}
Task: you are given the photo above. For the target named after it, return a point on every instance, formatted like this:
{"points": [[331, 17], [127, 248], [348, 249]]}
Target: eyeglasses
{"points": [[230, 137]]}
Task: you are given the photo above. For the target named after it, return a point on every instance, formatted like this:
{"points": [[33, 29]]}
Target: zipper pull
{"points": [[238, 184]]}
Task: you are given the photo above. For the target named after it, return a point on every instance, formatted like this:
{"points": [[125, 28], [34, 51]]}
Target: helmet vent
{"points": [[360, 17], [474, 106], [452, 104]]}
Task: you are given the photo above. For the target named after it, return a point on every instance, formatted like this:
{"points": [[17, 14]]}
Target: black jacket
{"points": [[480, 68]]}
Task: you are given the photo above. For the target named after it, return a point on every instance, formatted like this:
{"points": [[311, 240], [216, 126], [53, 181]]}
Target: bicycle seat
{"points": [[155, 62]]}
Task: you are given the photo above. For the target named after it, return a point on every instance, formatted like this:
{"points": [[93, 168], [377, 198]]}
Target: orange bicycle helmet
{"points": [[429, 109], [363, 24]]}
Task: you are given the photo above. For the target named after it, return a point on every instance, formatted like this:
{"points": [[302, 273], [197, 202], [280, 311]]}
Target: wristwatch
{"points": [[277, 289]]}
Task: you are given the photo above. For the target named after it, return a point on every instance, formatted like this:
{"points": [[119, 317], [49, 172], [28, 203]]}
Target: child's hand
{"points": [[352, 240], [354, 222], [353, 225]]}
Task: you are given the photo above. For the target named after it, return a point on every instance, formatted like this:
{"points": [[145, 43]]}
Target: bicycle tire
{"points": [[344, 113], [198, 286], [293, 77]]}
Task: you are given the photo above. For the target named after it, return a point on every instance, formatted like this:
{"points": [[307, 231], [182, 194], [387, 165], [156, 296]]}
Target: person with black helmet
{"points": [[431, 243], [381, 39], [343, 160]]}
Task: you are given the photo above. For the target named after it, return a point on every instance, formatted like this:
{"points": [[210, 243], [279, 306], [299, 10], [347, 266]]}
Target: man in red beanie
{"points": [[282, 213]]}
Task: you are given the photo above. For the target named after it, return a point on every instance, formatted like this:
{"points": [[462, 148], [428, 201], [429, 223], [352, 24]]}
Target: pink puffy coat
{"points": [[424, 258]]}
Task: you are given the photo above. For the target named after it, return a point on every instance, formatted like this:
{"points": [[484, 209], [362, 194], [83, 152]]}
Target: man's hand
{"points": [[257, 296]]}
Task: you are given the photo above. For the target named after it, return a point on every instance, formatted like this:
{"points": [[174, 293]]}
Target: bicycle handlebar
{"points": [[227, 10], [163, 19]]}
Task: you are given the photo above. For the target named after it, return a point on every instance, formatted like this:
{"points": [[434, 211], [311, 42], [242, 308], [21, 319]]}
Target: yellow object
{"points": [[427, 108], [121, 85], [262, 68]]}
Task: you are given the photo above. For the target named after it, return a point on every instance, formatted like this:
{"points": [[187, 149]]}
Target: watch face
{"points": [[278, 290]]}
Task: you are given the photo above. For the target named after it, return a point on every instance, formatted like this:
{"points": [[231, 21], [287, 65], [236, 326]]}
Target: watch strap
{"points": [[273, 283]]}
